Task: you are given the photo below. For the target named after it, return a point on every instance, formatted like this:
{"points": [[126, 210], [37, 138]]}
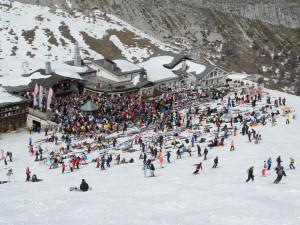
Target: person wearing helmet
{"points": [[292, 163]]}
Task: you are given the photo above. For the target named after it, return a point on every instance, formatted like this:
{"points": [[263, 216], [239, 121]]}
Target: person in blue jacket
{"points": [[30, 141], [269, 163], [193, 141]]}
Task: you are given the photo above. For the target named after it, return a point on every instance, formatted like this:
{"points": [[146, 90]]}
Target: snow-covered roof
{"points": [[237, 76], [126, 66], [8, 98], [156, 70], [192, 67], [14, 80]]}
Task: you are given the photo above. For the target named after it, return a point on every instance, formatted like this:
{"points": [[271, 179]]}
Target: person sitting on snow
{"points": [[84, 186]]}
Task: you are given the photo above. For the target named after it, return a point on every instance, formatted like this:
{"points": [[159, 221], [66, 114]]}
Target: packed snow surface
{"points": [[122, 195]]}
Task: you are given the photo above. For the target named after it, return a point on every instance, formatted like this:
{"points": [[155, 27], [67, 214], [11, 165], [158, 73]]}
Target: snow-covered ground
{"points": [[121, 194]]}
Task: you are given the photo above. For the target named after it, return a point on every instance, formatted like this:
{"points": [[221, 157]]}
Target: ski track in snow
{"points": [[121, 194]]}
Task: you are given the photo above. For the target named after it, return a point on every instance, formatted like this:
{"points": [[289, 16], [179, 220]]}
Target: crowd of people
{"points": [[184, 120]]}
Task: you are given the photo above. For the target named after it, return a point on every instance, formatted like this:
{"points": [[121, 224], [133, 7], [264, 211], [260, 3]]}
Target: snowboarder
{"points": [[199, 166], [84, 186], [205, 153], [292, 163], [280, 172], [216, 162], [287, 119], [152, 169], [250, 174]]}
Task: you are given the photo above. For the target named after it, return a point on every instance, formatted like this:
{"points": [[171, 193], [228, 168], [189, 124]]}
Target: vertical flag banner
{"points": [[40, 97], [50, 93], [36, 90]]}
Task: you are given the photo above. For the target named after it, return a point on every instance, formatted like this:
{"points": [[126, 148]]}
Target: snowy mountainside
{"points": [[121, 194], [35, 34]]}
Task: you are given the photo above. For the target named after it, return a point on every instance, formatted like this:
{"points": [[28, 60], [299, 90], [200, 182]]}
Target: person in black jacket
{"points": [[168, 156], [152, 169], [199, 150], [280, 174], [278, 161], [205, 153], [84, 186], [250, 174], [216, 162]]}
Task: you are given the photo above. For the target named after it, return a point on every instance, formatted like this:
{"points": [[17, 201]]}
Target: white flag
{"points": [[41, 97], [36, 90], [50, 93]]}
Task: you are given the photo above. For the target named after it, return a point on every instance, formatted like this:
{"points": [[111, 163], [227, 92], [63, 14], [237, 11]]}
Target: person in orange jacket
{"points": [[232, 146], [190, 150]]}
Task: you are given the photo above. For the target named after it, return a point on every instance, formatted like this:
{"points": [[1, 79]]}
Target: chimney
{"points": [[183, 67], [48, 68], [77, 57]]}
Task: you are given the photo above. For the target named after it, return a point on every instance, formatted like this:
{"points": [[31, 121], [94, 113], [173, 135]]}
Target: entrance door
{"points": [[36, 124]]}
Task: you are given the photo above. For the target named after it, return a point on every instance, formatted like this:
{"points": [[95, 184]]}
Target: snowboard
{"points": [[3, 182], [38, 180], [78, 189]]}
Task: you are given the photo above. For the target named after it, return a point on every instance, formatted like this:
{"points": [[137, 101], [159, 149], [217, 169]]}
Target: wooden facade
{"points": [[13, 115]]}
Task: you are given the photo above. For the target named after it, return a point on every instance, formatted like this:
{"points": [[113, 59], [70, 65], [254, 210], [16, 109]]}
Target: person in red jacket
{"points": [[199, 166], [63, 166], [28, 174], [77, 162]]}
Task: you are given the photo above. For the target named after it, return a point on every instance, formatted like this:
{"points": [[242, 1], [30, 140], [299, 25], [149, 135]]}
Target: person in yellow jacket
{"points": [[287, 119]]}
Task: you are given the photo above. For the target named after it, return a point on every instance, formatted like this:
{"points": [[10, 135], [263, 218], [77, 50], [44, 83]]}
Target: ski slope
{"points": [[121, 195]]}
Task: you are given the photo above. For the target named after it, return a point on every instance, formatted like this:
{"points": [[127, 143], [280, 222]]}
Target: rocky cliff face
{"points": [[254, 36]]}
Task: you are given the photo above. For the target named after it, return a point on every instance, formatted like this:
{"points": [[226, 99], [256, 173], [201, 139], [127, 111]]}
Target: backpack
{"points": [[280, 172], [248, 171]]}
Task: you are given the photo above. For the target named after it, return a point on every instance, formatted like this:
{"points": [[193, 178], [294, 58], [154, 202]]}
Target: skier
{"points": [[280, 173], [9, 173], [84, 186], [205, 153], [287, 119], [168, 156], [216, 162], [199, 150], [152, 169], [30, 141], [250, 174], [199, 166], [27, 173], [161, 162], [232, 145], [190, 150], [292, 163], [63, 166], [118, 159], [145, 169], [278, 161], [264, 169], [269, 163], [178, 154]]}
